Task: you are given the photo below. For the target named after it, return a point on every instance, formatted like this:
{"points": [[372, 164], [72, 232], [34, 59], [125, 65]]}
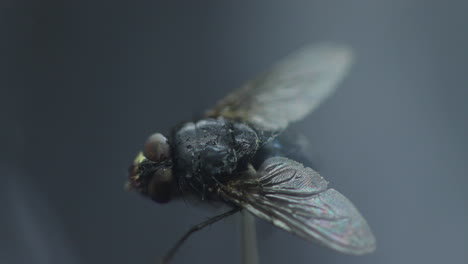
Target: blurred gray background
{"points": [[85, 82]]}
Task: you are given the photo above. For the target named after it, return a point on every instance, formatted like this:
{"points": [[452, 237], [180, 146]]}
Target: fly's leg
{"points": [[170, 254]]}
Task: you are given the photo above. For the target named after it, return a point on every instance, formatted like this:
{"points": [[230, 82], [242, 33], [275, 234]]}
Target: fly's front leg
{"points": [[170, 254]]}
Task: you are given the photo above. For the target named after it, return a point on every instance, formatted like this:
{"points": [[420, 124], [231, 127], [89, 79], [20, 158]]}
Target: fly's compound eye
{"points": [[160, 185], [156, 148]]}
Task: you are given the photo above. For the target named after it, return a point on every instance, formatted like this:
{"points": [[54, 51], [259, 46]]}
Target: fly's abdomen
{"points": [[289, 144]]}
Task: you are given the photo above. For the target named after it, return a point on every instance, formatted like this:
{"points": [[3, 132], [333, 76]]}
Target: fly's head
{"points": [[151, 172]]}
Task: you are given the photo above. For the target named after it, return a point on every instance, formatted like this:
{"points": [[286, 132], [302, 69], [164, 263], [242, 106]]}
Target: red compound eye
{"points": [[156, 148], [159, 188]]}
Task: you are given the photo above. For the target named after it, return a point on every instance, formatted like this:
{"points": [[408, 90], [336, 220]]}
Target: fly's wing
{"points": [[297, 200], [289, 91]]}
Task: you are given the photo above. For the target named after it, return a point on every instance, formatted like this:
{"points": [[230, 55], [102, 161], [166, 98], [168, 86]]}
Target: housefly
{"points": [[234, 155]]}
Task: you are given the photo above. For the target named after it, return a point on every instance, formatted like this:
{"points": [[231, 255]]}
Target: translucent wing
{"points": [[289, 91], [297, 200]]}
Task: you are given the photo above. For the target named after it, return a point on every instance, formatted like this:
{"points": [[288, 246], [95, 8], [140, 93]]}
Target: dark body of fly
{"points": [[211, 151], [239, 153]]}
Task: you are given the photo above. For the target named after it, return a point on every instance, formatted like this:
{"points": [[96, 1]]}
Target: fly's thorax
{"points": [[211, 148], [246, 141], [204, 147]]}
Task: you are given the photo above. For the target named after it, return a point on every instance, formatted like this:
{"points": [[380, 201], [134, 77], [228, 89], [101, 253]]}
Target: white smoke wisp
{"points": [[34, 232]]}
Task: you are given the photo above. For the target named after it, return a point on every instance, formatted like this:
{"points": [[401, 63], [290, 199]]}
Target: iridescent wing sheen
{"points": [[297, 200], [289, 90]]}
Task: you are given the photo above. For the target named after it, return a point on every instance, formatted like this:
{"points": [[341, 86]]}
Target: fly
{"points": [[235, 155]]}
